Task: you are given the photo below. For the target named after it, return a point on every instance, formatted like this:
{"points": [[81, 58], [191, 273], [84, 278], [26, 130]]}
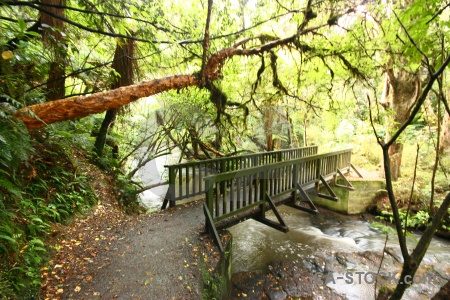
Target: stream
{"points": [[325, 236]]}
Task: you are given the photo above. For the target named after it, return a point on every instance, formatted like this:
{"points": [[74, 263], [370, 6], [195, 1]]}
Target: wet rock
{"points": [[291, 288], [247, 285], [314, 265], [395, 253], [245, 280], [273, 290], [341, 259], [444, 292], [280, 269]]}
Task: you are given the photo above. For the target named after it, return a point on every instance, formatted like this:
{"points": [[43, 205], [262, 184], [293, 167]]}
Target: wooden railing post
{"points": [[170, 195], [294, 175], [263, 191], [318, 172], [209, 183], [280, 156]]}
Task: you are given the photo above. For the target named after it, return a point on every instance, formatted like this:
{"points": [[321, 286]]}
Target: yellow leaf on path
{"points": [[147, 282], [181, 277], [7, 55], [77, 289]]}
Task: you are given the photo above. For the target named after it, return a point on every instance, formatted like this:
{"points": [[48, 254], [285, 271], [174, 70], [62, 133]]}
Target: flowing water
{"points": [[255, 244], [152, 173]]}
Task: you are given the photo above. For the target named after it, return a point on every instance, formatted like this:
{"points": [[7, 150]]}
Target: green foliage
{"points": [[214, 284], [419, 219], [40, 186]]}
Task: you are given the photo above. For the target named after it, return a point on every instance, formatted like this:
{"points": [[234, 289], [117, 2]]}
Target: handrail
{"points": [[230, 193], [186, 179]]}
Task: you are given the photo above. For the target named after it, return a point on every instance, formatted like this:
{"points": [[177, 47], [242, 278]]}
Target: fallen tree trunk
{"points": [[39, 115]]}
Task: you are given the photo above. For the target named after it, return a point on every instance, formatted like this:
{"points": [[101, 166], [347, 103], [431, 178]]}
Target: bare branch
{"points": [[379, 141], [427, 62], [438, 13]]}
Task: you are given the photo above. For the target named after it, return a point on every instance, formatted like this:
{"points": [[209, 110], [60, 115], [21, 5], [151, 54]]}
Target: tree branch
{"points": [[419, 103], [206, 43]]}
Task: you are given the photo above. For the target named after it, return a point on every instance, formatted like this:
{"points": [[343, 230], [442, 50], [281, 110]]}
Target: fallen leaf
{"points": [[7, 55], [147, 282], [77, 289]]}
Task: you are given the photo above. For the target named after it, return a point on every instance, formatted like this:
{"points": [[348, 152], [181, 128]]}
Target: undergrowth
{"points": [[43, 183], [39, 185]]}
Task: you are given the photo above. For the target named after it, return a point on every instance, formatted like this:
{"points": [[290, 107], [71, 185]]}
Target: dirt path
{"points": [[109, 255]]}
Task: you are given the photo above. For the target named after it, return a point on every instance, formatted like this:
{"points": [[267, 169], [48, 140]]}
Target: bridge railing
{"points": [[186, 179], [230, 193]]}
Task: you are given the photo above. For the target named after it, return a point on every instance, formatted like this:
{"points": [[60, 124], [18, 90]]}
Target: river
{"points": [[255, 245]]}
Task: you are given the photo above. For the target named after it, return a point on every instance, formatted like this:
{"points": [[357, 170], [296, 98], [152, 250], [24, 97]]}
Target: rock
{"points": [[444, 292], [341, 259]]}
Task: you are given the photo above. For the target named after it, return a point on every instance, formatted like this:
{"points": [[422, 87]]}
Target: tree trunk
{"points": [[53, 39], [444, 147], [401, 93], [123, 65], [39, 115], [305, 126], [268, 122], [412, 262], [100, 141]]}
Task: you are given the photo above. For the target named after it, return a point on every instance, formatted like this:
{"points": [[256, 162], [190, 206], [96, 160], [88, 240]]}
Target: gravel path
{"points": [[153, 256]]}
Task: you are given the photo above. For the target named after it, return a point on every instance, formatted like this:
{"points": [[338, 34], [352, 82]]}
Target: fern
{"points": [[15, 145], [8, 186]]}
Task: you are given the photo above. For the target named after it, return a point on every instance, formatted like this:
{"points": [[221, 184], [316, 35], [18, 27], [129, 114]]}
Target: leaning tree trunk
{"points": [[445, 136], [123, 65], [54, 40], [401, 93], [444, 146], [268, 123]]}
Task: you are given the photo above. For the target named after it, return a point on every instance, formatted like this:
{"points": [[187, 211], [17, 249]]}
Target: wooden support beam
{"points": [[281, 225], [303, 197], [211, 228], [348, 185], [332, 195], [356, 170]]}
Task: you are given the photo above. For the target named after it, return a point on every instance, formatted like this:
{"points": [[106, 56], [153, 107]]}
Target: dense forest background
{"points": [[116, 83]]}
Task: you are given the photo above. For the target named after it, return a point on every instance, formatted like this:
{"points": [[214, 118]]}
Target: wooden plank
{"points": [[238, 192], [348, 185], [305, 198], [211, 228], [237, 211], [332, 195], [356, 170]]}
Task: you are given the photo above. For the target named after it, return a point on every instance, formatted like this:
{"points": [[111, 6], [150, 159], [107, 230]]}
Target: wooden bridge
{"points": [[242, 187]]}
